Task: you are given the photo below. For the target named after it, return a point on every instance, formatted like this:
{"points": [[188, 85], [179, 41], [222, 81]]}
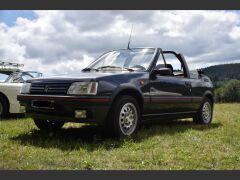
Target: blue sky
{"points": [[9, 16]]}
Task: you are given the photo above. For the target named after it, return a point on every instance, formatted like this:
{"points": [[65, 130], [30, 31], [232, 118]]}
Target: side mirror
{"points": [[162, 72]]}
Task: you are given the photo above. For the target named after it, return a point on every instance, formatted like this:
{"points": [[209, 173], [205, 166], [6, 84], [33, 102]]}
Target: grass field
{"points": [[172, 145]]}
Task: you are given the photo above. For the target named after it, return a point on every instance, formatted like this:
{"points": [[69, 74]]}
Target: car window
{"points": [[34, 74], [172, 62], [20, 77], [3, 77], [26, 77]]}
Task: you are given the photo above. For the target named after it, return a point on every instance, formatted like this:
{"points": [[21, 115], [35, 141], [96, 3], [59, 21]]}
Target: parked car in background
{"points": [[12, 79], [120, 90]]}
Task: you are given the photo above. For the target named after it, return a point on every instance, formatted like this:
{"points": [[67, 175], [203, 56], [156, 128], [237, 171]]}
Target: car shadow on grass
{"points": [[91, 137], [172, 128]]}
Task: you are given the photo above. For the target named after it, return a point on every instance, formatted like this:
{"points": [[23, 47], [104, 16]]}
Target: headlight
{"points": [[25, 88], [83, 88]]}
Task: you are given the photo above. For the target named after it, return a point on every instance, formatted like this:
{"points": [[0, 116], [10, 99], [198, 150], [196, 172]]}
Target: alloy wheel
{"points": [[128, 118], [206, 112]]}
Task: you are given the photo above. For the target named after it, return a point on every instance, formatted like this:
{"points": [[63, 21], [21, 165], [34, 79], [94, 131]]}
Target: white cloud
{"points": [[235, 33], [59, 42]]}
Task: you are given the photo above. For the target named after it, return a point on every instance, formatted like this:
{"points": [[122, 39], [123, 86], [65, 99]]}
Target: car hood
{"points": [[3, 84], [84, 76]]}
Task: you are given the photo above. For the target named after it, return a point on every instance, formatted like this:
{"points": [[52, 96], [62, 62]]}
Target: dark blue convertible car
{"points": [[120, 90]]}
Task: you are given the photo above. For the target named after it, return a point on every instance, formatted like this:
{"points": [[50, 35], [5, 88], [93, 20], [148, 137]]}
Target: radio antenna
{"points": [[128, 47]]}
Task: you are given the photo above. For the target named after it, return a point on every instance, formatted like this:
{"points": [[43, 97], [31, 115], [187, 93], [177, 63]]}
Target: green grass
{"points": [[173, 145]]}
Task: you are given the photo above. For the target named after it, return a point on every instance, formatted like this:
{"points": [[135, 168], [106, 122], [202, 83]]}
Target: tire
{"points": [[124, 117], [204, 115], [3, 107], [47, 125]]}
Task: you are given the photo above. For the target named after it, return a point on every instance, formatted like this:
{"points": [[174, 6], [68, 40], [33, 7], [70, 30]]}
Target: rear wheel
{"points": [[124, 118], [48, 125], [204, 115], [3, 107]]}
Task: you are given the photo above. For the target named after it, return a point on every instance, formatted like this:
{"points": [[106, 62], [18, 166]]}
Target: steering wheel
{"points": [[138, 67]]}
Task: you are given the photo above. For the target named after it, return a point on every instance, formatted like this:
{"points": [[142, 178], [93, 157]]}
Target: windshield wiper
{"points": [[129, 69], [110, 67], [116, 67], [89, 69], [105, 67]]}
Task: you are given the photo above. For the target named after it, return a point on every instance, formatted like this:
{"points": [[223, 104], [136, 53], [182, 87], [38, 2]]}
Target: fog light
{"points": [[22, 109], [80, 114]]}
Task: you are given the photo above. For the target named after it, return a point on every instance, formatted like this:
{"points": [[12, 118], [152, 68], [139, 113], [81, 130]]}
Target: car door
{"points": [[171, 93]]}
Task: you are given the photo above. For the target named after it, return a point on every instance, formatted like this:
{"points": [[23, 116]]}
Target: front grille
{"points": [[49, 88]]}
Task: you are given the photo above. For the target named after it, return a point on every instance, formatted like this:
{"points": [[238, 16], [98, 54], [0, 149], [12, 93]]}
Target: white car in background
{"points": [[11, 81]]}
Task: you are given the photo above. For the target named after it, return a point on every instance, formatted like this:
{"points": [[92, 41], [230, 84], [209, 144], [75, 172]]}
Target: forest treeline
{"points": [[226, 80]]}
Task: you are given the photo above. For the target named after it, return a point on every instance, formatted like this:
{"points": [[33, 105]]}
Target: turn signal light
{"points": [[80, 114]]}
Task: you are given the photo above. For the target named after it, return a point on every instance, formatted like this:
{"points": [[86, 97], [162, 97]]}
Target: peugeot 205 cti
{"points": [[120, 90]]}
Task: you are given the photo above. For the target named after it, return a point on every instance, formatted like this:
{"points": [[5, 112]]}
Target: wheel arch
{"points": [[6, 98], [210, 95], [129, 90]]}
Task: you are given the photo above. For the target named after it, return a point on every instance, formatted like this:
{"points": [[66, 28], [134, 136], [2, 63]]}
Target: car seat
{"points": [[167, 66]]}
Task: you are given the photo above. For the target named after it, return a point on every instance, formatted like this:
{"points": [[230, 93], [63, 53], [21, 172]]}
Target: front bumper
{"points": [[63, 107]]}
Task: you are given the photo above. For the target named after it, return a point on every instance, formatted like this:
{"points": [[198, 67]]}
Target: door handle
{"points": [[188, 85]]}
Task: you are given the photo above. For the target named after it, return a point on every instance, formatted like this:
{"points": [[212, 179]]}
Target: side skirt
{"points": [[168, 116]]}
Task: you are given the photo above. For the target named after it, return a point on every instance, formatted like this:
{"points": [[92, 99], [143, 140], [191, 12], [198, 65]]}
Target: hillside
{"points": [[226, 81], [223, 72]]}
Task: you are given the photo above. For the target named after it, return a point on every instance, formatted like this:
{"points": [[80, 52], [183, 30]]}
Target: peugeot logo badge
{"points": [[46, 89]]}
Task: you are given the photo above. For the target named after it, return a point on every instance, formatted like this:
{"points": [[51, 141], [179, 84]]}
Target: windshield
{"points": [[20, 77], [134, 59]]}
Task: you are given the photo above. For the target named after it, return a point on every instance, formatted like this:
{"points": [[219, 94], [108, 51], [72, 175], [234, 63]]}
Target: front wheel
{"points": [[48, 125], [124, 118], [204, 115]]}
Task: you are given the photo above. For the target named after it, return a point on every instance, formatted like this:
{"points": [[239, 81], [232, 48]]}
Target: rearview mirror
{"points": [[162, 72]]}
